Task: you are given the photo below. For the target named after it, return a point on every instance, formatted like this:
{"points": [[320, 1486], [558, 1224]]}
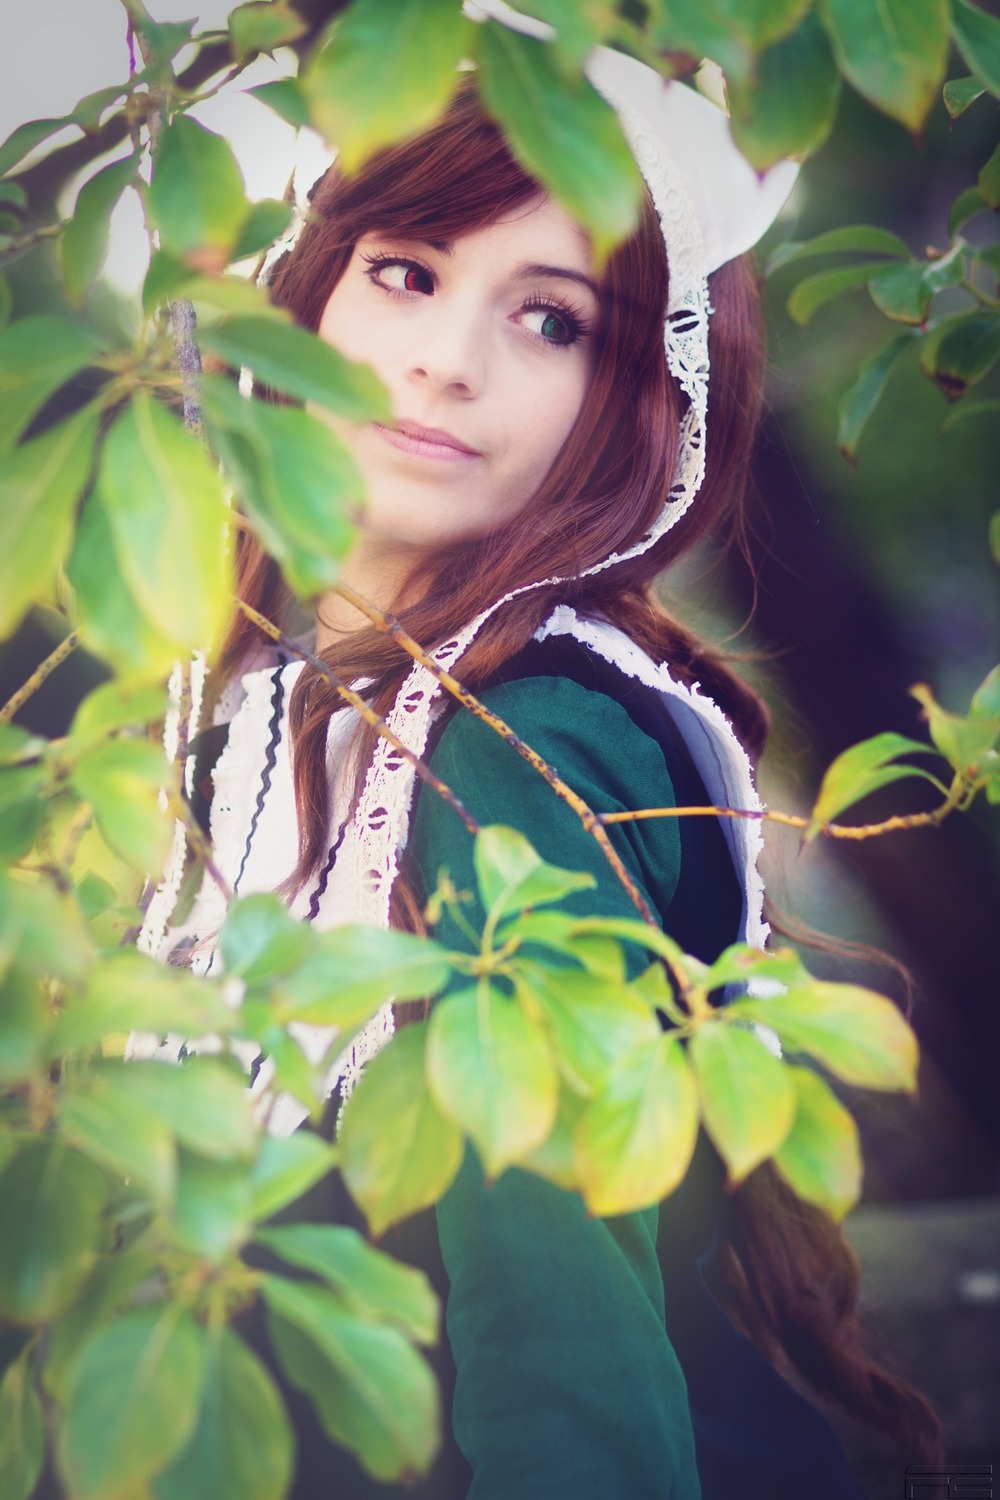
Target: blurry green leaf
{"points": [[986, 698], [821, 1156], [287, 1167], [959, 93], [261, 940], [965, 410], [901, 292], [511, 876], [37, 356], [384, 72], [398, 1152], [40, 483], [31, 911], [634, 1141], [372, 1284], [300, 364], [25, 138], [115, 705], [133, 1403], [22, 1430], [212, 1212], [856, 1034], [861, 770], [285, 97], [13, 193], [747, 1100], [698, 29], [962, 741], [860, 400], [490, 1071], [196, 195], [121, 779], [167, 277], [295, 478], [53, 1202], [230, 294], [559, 931], [650, 938], [577, 27], [591, 1021], [293, 1073], [739, 964], [545, 118], [555, 1158], [88, 111], [959, 351], [994, 535], [22, 810], [266, 222], [262, 25], [119, 1132], [110, 1286], [372, 1391], [964, 208], [894, 53], [204, 1101], [859, 237], [789, 102], [166, 509], [816, 291], [84, 242], [977, 37], [107, 615], [128, 991], [25, 1021], [6, 300], [242, 1444], [354, 969], [166, 38]]}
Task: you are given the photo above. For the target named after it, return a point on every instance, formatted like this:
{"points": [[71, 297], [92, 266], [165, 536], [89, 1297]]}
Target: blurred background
{"points": [[855, 583]]}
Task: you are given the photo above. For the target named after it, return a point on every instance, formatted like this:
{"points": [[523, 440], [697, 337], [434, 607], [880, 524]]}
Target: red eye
{"points": [[416, 279]]}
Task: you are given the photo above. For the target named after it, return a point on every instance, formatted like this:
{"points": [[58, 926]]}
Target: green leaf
{"points": [[25, 138], [212, 1207], [22, 1430], [22, 810], [110, 1287], [856, 1034], [969, 409], [37, 356], [6, 301], [353, 970], [287, 1167], [385, 71], [894, 53], [789, 102], [121, 779], [128, 991], [867, 238], [959, 351], [701, 30], [860, 400], [120, 1133], [959, 93], [260, 940], [266, 222], [25, 1022], [821, 1156], [555, 1158], [591, 1022], [861, 770], [53, 1202], [634, 1141], [994, 535], [491, 1072], [741, 964], [262, 25], [165, 505], [295, 478], [116, 705], [242, 1444], [986, 698], [577, 28], [91, 107], [398, 1152], [747, 1100], [546, 118], [372, 1284], [285, 97], [962, 742], [511, 876], [30, 912], [84, 243], [40, 483], [964, 208], [204, 1102], [902, 292], [816, 291], [133, 1405], [300, 364], [372, 1391], [977, 37], [196, 196]]}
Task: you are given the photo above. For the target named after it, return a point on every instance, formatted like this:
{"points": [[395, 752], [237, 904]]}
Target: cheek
{"points": [[548, 411]]}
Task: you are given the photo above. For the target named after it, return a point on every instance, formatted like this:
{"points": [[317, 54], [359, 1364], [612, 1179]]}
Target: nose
{"points": [[448, 351]]}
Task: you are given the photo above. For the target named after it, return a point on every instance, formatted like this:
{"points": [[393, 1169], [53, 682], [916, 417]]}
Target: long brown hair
{"points": [[606, 486]]}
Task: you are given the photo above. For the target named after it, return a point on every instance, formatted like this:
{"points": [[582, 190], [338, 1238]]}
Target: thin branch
{"points": [[41, 673], [200, 846], [357, 702], [590, 820], [857, 831]]}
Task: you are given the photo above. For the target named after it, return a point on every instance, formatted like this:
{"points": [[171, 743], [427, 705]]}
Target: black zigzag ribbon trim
{"points": [[324, 877]]}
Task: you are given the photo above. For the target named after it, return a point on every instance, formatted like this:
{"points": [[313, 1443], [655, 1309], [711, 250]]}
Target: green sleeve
{"points": [[567, 1385]]}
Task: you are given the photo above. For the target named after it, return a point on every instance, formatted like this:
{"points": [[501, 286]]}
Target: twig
{"points": [[790, 820], [590, 820], [43, 671], [357, 702], [200, 846]]}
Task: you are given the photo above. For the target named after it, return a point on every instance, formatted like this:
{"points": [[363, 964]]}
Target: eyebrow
{"points": [[533, 270]]}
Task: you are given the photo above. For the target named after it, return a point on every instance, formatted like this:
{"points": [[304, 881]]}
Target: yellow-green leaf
{"points": [[22, 1429], [856, 1034], [262, 25], [196, 196], [861, 770], [590, 1019], [84, 242], [121, 779], [37, 356], [747, 1101], [821, 1155], [893, 52], [300, 364]]}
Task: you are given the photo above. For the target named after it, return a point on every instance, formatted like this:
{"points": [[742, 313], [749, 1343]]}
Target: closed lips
{"points": [[432, 442]]}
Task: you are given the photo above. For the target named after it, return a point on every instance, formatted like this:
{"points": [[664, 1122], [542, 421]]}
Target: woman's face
{"points": [[486, 346]]}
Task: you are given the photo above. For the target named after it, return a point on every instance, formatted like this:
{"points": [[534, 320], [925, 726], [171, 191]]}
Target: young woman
{"points": [[554, 447]]}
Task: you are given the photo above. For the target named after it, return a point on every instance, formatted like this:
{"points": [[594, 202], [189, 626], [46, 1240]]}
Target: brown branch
{"points": [[590, 820], [357, 702], [43, 671], [855, 831]]}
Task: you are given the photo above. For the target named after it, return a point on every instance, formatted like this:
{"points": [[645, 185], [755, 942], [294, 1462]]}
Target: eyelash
{"points": [[577, 326]]}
